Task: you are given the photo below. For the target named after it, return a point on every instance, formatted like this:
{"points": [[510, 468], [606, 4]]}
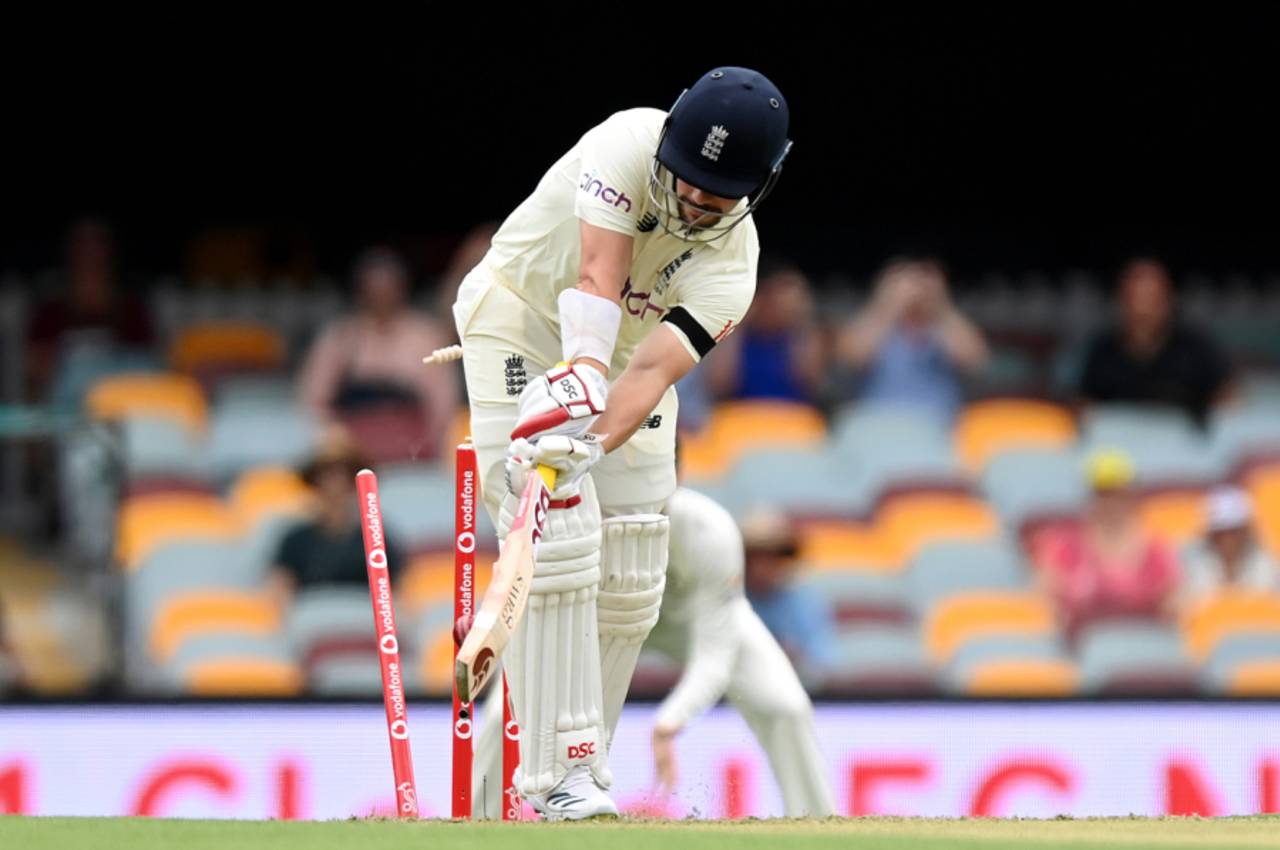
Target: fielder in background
{"points": [[634, 255], [708, 626]]}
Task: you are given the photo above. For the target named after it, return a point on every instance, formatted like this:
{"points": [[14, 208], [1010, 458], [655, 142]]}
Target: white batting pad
{"points": [[635, 571], [553, 661]]}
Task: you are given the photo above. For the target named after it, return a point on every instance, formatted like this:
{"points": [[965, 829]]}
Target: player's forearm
{"points": [[706, 674], [631, 399], [659, 362]]}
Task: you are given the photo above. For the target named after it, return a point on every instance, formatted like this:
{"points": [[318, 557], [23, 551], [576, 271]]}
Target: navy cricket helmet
{"points": [[726, 135]]}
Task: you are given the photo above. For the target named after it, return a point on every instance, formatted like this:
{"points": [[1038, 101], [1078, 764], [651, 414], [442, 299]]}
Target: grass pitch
{"points": [[31, 833]]}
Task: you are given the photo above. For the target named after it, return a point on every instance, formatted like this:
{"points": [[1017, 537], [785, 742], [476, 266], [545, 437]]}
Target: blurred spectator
{"points": [[91, 320], [1150, 355], [911, 345], [777, 352], [328, 548], [465, 257], [1106, 565], [369, 367], [801, 619], [1229, 556]]}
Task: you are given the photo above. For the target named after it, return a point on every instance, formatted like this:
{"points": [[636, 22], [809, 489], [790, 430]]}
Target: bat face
{"points": [[504, 600]]}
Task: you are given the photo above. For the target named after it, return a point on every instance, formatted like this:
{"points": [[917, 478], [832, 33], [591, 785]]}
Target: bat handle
{"points": [[548, 474]]}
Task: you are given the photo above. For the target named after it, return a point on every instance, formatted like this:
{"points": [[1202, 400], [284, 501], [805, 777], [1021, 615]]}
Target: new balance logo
{"points": [[654, 421], [647, 223], [714, 144]]}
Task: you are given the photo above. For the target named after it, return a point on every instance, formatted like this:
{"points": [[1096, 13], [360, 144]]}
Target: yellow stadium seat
{"points": [[1176, 516], [226, 344], [437, 663], [429, 580], [189, 614], [147, 522], [1226, 614], [912, 521], [1255, 679], [838, 545], [986, 428], [737, 427], [1264, 487], [1038, 677], [164, 395], [268, 491], [244, 677], [966, 616]]}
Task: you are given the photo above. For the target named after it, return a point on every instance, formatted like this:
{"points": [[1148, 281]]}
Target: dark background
{"points": [[1009, 141]]}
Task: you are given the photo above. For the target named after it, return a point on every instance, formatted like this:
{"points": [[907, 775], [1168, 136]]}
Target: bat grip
{"points": [[548, 474]]}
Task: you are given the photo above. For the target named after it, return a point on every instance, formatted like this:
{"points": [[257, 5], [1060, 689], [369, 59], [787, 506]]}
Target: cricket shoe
{"points": [[577, 797]]}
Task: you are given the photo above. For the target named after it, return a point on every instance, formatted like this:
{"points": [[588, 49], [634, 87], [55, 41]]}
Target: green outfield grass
{"points": [[860, 834]]}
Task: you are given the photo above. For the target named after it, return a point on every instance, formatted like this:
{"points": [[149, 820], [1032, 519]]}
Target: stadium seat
{"points": [[430, 580], [735, 428], [1022, 678], [164, 395], [418, 504], [265, 493], [945, 568], [161, 447], [244, 437], [1164, 445], [861, 596], [1235, 433], [984, 653], [860, 430], [847, 545], [912, 521], [1264, 488], [1231, 653], [185, 615], [145, 523], [985, 429], [1213, 620], [799, 481], [214, 349], [255, 391], [346, 675], [1026, 484], [1132, 657], [331, 620], [243, 677], [957, 619], [1176, 516], [879, 659], [1255, 679]]}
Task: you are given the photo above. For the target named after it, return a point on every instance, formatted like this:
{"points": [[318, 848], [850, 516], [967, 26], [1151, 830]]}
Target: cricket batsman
{"points": [[708, 626], [633, 256]]}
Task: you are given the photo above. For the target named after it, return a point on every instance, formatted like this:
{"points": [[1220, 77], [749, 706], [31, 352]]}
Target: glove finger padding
{"points": [[565, 401]]}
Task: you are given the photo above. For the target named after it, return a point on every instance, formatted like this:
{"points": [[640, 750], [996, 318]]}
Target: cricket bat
{"points": [[504, 600]]}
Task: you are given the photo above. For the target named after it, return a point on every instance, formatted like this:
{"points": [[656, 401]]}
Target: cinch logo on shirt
{"points": [[637, 303], [592, 186]]}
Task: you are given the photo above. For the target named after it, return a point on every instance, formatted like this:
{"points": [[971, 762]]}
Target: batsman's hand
{"points": [[666, 772], [571, 458], [565, 401]]}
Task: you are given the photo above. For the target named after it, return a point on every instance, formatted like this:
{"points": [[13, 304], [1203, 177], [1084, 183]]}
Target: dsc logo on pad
{"points": [[583, 750]]}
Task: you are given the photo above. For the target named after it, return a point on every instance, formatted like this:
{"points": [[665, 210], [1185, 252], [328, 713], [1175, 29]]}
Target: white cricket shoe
{"points": [[577, 797]]}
